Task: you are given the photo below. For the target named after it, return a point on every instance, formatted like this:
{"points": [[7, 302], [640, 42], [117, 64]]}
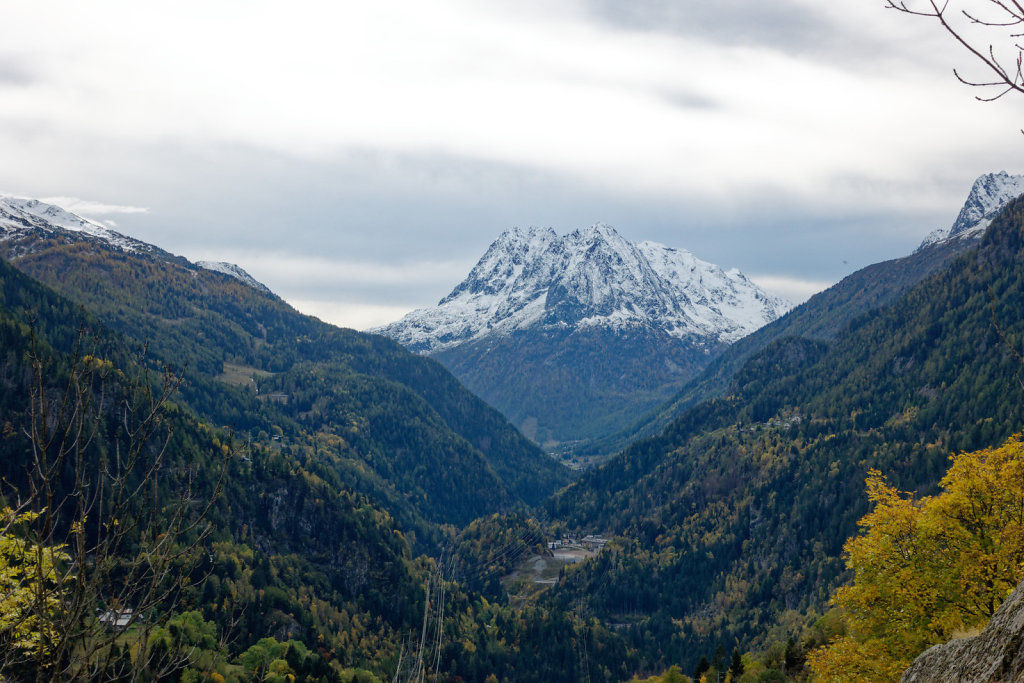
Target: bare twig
{"points": [[1006, 14], [106, 531]]}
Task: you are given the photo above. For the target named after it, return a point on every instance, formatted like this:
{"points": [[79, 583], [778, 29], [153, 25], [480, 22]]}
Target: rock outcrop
{"points": [[996, 655]]}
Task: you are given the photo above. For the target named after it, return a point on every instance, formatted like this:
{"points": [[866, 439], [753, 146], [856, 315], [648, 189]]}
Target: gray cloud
{"points": [[765, 136], [423, 220], [780, 24], [16, 72], [686, 99], [855, 37]]}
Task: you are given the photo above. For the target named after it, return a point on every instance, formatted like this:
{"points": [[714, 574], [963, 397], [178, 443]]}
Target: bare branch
{"points": [[1011, 13], [124, 549]]}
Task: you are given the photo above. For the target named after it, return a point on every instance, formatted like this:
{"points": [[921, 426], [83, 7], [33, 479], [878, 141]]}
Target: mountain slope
{"points": [[435, 453], [292, 550], [22, 218], [234, 271], [825, 314], [738, 511], [598, 328]]}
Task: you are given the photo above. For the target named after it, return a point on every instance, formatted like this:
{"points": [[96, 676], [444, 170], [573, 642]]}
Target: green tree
{"points": [[262, 660], [736, 664], [703, 666]]}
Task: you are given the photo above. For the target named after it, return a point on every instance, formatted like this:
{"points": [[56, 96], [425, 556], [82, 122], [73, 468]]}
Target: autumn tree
{"points": [[925, 568], [24, 621]]}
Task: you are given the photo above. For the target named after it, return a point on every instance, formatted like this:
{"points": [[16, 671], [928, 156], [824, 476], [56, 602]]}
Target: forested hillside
{"points": [[292, 553], [824, 316], [299, 576], [340, 456], [296, 378], [733, 519], [587, 381]]}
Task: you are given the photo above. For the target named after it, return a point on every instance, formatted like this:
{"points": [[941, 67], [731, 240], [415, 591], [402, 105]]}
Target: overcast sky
{"points": [[359, 157]]}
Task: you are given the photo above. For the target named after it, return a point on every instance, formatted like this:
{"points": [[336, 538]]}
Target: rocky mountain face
{"points": [[993, 656], [534, 278], [988, 195], [597, 328]]}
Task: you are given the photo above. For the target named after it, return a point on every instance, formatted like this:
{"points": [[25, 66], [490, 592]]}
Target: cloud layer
{"points": [[783, 139]]}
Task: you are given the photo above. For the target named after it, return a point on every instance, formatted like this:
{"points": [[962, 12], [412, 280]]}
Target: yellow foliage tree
{"points": [[925, 568], [30, 589]]}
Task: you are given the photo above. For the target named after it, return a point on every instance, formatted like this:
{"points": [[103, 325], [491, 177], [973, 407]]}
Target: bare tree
{"points": [[991, 30], [106, 518]]}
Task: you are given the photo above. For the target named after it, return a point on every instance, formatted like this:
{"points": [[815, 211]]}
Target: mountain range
{"points": [[359, 458], [598, 329], [827, 313], [611, 340], [220, 325], [735, 514]]}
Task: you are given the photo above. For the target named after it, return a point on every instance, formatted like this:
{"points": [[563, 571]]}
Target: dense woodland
{"points": [[365, 509], [199, 320], [318, 532]]}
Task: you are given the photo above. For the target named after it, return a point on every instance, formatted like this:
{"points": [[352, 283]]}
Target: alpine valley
{"points": [[371, 519], [599, 330]]}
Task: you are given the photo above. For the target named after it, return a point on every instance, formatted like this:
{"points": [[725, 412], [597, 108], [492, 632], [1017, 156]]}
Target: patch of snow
{"points": [[21, 217]]}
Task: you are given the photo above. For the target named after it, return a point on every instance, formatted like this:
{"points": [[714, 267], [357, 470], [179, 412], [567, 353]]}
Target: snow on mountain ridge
{"points": [[19, 216], [589, 277], [727, 304], [234, 271], [988, 195]]}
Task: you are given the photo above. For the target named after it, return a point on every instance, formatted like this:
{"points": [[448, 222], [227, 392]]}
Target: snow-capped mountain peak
{"points": [[532, 277], [988, 195]]}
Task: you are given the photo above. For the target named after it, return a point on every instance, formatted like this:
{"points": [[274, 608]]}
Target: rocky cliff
{"points": [[996, 655]]}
